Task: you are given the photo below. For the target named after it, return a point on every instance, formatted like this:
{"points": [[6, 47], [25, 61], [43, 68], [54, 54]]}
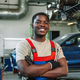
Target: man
{"points": [[45, 54]]}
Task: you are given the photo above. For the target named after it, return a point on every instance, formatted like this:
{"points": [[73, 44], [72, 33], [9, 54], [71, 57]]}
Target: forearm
{"points": [[37, 70], [32, 70], [57, 72]]}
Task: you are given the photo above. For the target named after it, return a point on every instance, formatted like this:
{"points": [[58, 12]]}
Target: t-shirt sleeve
{"points": [[59, 52], [22, 49]]}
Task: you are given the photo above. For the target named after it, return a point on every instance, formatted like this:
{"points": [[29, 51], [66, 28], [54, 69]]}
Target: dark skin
{"points": [[40, 28]]}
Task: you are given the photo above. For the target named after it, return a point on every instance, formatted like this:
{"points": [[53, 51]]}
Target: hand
{"points": [[54, 64], [28, 60]]}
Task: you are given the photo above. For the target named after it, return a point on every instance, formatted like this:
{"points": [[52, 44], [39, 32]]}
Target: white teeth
{"points": [[41, 29]]}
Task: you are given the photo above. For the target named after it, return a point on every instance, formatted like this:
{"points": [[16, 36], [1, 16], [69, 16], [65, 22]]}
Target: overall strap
{"points": [[32, 46], [52, 46], [53, 51], [34, 49], [34, 52]]}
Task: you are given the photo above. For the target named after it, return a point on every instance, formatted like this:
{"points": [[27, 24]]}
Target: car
{"points": [[70, 44]]}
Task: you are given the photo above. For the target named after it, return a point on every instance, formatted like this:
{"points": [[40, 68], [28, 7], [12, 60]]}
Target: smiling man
{"points": [[47, 59], [40, 26]]}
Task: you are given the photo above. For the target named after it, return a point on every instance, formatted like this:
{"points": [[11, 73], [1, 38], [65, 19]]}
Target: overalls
{"points": [[41, 60]]}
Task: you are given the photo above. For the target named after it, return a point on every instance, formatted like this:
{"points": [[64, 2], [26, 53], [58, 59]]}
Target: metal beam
{"points": [[42, 1]]}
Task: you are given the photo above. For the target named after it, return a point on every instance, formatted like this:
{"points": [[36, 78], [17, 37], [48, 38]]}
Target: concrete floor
{"points": [[11, 76], [72, 76]]}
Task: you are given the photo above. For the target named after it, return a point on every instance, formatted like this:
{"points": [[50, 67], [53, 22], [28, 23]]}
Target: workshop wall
{"points": [[60, 27], [63, 28], [19, 28]]}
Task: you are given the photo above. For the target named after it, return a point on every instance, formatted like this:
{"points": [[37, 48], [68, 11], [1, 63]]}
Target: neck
{"points": [[39, 38]]}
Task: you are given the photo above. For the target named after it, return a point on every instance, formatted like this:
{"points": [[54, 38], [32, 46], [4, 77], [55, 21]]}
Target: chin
{"points": [[41, 35]]}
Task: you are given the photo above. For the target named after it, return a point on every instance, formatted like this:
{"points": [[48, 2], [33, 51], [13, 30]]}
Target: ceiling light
{"points": [[71, 23]]}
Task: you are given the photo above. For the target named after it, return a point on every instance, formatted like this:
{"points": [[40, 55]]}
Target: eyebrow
{"points": [[40, 20]]}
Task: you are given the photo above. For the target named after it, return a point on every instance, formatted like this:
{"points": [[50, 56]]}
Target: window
{"points": [[75, 40]]}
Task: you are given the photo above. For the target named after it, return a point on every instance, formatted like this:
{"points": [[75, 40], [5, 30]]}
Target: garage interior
{"points": [[15, 25]]}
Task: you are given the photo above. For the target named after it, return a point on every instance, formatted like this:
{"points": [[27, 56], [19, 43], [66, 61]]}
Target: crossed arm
{"points": [[43, 70]]}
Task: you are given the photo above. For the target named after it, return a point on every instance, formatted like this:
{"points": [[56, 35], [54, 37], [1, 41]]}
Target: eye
{"points": [[46, 22], [38, 22]]}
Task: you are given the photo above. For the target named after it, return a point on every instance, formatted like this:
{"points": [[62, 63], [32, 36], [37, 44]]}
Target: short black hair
{"points": [[40, 13]]}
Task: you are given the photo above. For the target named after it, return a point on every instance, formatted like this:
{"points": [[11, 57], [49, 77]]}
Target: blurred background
{"points": [[15, 25]]}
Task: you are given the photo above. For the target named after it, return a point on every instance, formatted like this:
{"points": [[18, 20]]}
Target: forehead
{"points": [[41, 17]]}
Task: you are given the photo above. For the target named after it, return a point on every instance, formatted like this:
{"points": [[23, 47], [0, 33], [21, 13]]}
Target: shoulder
{"points": [[22, 44], [56, 44], [58, 47], [59, 51]]}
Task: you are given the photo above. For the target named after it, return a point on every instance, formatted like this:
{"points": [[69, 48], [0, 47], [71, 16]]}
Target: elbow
{"points": [[66, 72], [24, 73]]}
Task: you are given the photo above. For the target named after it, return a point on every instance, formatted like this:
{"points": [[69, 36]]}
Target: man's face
{"points": [[40, 25]]}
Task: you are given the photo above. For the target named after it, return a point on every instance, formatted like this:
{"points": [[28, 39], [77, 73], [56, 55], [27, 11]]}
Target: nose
{"points": [[42, 24]]}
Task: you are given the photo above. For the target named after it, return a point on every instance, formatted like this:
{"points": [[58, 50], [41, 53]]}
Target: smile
{"points": [[41, 29]]}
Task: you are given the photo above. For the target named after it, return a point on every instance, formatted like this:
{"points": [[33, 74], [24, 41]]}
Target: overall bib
{"points": [[41, 60]]}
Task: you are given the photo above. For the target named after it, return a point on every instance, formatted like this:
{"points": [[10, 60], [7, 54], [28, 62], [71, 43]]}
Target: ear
{"points": [[32, 25]]}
